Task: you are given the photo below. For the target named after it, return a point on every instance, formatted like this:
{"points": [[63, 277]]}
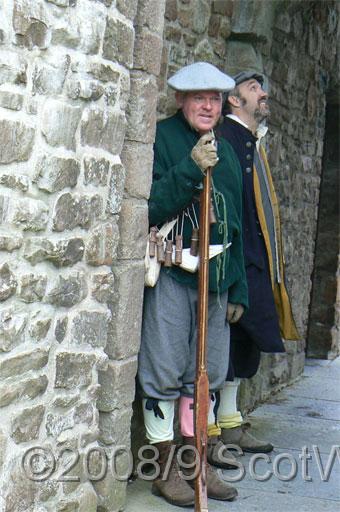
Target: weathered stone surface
{"points": [[12, 329], [10, 243], [151, 14], [61, 329], [133, 226], [72, 210], [128, 9], [90, 328], [39, 328], [81, 28], [59, 122], [116, 190], [32, 287], [67, 400], [85, 89], [30, 24], [61, 253], [8, 283], [74, 369], [56, 423], [103, 287], [141, 108], [115, 427], [148, 52], [117, 385], [22, 134], [68, 290], [54, 173], [129, 287], [3, 448], [103, 129], [11, 100], [23, 362], [26, 425], [118, 41], [84, 413], [48, 77], [29, 214], [27, 389], [12, 68], [137, 159], [96, 170], [101, 246], [19, 182]]}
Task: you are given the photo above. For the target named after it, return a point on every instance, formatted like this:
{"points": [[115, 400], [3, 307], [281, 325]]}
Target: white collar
{"points": [[260, 132]]}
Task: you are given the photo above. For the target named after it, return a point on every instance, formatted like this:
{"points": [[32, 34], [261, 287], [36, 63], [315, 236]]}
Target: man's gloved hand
{"points": [[204, 153], [234, 312]]}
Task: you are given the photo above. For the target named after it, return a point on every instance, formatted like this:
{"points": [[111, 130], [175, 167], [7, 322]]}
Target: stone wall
{"points": [[77, 115], [294, 43]]}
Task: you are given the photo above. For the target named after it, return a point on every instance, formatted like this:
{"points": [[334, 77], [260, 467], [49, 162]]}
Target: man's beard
{"points": [[261, 113]]}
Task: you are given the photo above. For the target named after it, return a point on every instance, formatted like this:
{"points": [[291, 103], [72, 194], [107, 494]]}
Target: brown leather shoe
{"points": [[171, 487], [246, 441], [217, 454], [217, 489]]}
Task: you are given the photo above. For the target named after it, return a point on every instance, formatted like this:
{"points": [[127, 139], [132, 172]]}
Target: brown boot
{"points": [[171, 487], [217, 454], [217, 489], [242, 438]]}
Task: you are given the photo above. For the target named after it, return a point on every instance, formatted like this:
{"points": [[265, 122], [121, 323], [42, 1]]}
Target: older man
{"points": [[184, 148], [269, 316]]}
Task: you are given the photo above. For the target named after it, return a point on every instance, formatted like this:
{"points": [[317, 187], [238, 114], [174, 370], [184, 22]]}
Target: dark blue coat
{"points": [[258, 329]]}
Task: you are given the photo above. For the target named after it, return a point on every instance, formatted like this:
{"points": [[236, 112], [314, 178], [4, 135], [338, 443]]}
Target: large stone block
{"points": [[103, 129], [11, 100], [74, 369], [10, 243], [54, 173], [22, 390], [84, 88], [30, 24], [96, 170], [90, 328], [129, 288], [32, 287], [12, 68], [8, 283], [151, 14], [61, 253], [103, 287], [59, 123], [73, 210], [23, 362], [67, 290], [29, 214], [116, 190], [141, 109], [15, 131], [242, 55], [137, 159], [102, 244], [48, 78], [118, 41], [25, 426], [81, 27], [133, 227], [128, 9], [117, 385], [148, 52], [12, 329], [39, 327]]}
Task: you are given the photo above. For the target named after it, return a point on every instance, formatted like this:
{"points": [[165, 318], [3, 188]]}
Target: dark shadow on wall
{"points": [[320, 341]]}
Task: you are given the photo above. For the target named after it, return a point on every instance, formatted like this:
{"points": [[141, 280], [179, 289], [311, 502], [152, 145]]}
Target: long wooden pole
{"points": [[201, 401]]}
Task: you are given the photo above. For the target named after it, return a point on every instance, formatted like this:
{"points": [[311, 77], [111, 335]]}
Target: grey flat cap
{"points": [[247, 75], [201, 76]]}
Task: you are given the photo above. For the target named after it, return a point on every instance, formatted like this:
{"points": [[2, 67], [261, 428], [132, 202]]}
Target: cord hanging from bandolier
{"points": [[220, 204]]}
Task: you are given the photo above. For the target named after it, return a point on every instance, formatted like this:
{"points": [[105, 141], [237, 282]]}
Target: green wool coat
{"points": [[176, 180]]}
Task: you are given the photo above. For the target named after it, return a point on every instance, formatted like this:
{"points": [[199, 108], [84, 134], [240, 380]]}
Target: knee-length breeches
{"points": [[167, 358]]}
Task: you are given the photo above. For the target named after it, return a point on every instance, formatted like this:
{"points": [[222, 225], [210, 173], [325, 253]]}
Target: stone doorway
{"points": [[323, 332]]}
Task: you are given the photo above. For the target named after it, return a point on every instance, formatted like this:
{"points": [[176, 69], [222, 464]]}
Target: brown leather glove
{"points": [[234, 312], [204, 153]]}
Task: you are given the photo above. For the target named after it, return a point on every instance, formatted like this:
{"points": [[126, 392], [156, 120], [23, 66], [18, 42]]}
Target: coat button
{"points": [[259, 233], [248, 144], [248, 157], [248, 169]]}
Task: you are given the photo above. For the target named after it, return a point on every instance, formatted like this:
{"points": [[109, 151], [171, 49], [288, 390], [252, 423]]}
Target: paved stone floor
{"points": [[303, 419]]}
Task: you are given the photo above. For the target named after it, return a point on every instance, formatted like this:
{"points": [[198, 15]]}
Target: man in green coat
{"points": [[185, 147]]}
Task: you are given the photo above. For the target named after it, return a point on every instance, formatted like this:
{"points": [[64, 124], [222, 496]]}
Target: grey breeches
{"points": [[167, 358]]}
